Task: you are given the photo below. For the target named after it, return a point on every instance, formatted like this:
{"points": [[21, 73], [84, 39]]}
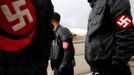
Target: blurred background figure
{"points": [[62, 52]]}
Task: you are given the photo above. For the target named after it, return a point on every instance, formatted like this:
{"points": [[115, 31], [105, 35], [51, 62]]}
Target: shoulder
{"points": [[41, 4], [64, 29], [123, 3], [64, 32]]}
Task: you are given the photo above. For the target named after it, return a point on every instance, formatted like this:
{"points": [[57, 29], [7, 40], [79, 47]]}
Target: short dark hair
{"points": [[56, 16]]}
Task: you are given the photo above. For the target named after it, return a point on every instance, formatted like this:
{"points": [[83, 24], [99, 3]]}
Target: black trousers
{"points": [[69, 70], [17, 69]]}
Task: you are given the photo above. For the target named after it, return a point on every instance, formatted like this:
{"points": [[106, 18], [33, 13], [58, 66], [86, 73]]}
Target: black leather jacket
{"points": [[59, 54], [110, 36]]}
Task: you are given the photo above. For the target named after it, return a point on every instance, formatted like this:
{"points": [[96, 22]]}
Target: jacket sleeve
{"points": [[48, 27], [124, 34], [45, 32], [67, 45]]}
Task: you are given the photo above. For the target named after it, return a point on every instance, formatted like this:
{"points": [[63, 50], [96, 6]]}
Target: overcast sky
{"points": [[74, 13]]}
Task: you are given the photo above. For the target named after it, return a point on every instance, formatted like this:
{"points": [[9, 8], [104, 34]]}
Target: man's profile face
{"points": [[54, 22]]}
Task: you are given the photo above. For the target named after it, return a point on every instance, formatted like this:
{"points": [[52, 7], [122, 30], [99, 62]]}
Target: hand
{"points": [[61, 67]]}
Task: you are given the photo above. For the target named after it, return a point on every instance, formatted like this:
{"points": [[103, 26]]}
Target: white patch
{"points": [[65, 45]]}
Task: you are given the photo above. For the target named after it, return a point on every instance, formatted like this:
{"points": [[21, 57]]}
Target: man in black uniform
{"points": [[25, 36], [62, 53], [110, 37]]}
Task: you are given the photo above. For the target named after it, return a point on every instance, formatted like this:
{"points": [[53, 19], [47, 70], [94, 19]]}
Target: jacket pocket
{"points": [[98, 16], [96, 54], [99, 10], [97, 50]]}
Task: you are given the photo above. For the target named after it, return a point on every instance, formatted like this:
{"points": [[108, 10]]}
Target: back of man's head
{"points": [[56, 16]]}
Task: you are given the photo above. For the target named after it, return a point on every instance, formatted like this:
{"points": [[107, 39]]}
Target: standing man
{"points": [[62, 53], [110, 38], [25, 36]]}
